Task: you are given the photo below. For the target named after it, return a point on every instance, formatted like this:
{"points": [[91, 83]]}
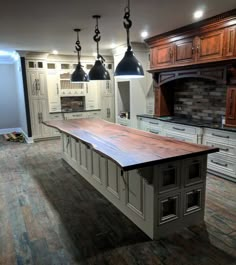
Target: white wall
{"points": [[9, 117], [21, 99], [12, 103]]}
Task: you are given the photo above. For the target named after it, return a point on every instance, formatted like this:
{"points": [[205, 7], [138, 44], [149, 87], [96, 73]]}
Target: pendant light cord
{"points": [[77, 45], [127, 23]]}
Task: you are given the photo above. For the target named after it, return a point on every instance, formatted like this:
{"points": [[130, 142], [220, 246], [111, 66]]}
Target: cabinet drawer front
{"points": [[181, 137], [218, 163], [57, 116], [124, 122], [225, 149], [180, 128], [220, 135], [155, 124], [74, 115]]}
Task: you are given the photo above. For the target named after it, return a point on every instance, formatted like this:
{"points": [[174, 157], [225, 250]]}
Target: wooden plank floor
{"points": [[50, 215]]}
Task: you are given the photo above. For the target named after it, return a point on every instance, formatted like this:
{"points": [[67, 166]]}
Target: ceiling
{"points": [[48, 24]]}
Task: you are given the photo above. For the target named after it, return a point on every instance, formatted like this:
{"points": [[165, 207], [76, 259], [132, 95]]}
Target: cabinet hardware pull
{"points": [[224, 149], [154, 132], [193, 49], [57, 90], [156, 123], [220, 164], [223, 136], [179, 129], [39, 117]]}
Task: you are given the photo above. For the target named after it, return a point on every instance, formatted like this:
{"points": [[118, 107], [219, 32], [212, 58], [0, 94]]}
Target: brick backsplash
{"points": [[199, 99]]}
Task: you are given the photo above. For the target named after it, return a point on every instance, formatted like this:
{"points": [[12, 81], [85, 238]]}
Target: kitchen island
{"points": [[157, 182]]}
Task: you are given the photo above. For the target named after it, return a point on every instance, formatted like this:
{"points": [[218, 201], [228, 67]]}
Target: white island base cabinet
{"points": [[159, 199]]}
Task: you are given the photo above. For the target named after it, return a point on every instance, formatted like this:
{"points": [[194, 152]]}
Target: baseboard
{"points": [[9, 130], [28, 140]]}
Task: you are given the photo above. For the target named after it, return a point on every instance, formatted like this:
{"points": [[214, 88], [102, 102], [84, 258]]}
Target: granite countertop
{"points": [[189, 121], [73, 111]]}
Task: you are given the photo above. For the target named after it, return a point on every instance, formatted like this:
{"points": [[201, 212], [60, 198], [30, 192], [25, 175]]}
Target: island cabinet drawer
{"points": [[225, 148], [193, 170], [219, 164], [180, 128], [168, 177], [193, 200], [169, 208], [221, 136]]}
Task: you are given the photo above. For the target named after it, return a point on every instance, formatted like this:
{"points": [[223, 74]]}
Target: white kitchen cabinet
{"points": [[93, 114], [37, 84], [35, 64], [53, 87], [183, 132], [92, 95], [38, 114], [74, 115], [223, 162], [108, 108]]}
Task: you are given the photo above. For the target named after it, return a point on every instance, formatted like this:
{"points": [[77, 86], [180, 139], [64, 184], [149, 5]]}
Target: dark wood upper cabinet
{"points": [[162, 56], [230, 115], [230, 41], [209, 46], [207, 41], [184, 51]]}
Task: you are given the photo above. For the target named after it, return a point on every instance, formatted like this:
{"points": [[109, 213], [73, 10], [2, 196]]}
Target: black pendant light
{"points": [[129, 66], [79, 74], [98, 71]]}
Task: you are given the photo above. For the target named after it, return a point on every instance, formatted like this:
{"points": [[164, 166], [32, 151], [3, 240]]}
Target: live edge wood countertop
{"points": [[129, 148]]}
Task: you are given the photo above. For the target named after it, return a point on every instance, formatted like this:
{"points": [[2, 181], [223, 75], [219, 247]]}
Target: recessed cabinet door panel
{"points": [[230, 41], [42, 85], [113, 178], [135, 192], [73, 149], [231, 106], [162, 55], [35, 118], [32, 84], [184, 51], [46, 131], [84, 158], [210, 46], [96, 166]]}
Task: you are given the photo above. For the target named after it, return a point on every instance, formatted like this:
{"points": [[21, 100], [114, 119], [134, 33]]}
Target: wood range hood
{"points": [[205, 50]]}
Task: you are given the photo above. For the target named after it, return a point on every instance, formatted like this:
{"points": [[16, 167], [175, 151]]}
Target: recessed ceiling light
{"points": [[113, 45], [144, 34], [198, 14], [55, 52]]}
